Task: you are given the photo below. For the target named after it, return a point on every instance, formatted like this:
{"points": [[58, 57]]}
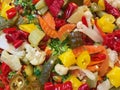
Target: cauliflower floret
{"points": [[34, 55], [61, 69], [118, 22], [11, 60], [113, 56]]}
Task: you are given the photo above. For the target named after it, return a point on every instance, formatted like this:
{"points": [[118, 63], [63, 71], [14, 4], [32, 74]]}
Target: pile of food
{"points": [[59, 44]]}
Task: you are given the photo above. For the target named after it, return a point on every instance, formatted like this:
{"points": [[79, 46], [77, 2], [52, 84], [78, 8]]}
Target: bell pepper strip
{"points": [[67, 58], [111, 10], [59, 22], [69, 10], [17, 43], [83, 60], [84, 87], [47, 29], [28, 27], [98, 57], [84, 21], [113, 76], [9, 30], [11, 13]]}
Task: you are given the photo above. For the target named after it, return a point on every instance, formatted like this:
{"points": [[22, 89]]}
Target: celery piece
{"points": [[35, 37], [40, 4], [43, 10]]}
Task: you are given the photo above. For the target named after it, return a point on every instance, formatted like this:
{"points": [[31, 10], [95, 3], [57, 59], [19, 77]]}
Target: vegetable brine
{"points": [[59, 44]]}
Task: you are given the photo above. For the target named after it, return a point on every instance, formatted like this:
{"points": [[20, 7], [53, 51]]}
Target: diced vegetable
{"points": [[68, 58], [35, 37], [28, 27], [83, 59], [40, 4], [113, 76]]}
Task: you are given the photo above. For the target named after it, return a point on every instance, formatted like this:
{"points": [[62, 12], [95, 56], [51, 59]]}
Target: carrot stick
{"points": [[90, 48], [47, 29], [67, 28], [49, 19]]}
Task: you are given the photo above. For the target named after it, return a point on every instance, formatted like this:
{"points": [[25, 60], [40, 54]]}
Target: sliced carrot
{"points": [[90, 48], [49, 19], [95, 62], [47, 29], [104, 67], [67, 28], [93, 68]]}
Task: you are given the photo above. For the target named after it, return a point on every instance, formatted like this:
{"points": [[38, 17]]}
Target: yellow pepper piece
{"points": [[106, 23], [76, 83], [83, 59], [114, 76], [5, 7], [101, 4], [68, 58], [28, 27], [29, 70]]}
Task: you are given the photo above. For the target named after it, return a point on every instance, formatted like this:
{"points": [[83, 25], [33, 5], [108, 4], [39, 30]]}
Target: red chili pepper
{"points": [[49, 86], [69, 10], [10, 30], [11, 13], [84, 87], [112, 10], [34, 1], [5, 69], [67, 86], [17, 43], [84, 21]]}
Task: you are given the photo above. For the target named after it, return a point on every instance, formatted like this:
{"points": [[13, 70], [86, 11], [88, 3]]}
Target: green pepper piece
{"points": [[47, 68]]}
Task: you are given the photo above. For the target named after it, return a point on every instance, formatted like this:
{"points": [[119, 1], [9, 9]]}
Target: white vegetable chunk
{"points": [[61, 69]]}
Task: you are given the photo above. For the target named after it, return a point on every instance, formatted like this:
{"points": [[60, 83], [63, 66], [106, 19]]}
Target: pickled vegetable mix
{"points": [[59, 44]]}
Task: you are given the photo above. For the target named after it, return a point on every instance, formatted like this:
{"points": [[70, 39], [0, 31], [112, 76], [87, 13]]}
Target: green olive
{"points": [[17, 82]]}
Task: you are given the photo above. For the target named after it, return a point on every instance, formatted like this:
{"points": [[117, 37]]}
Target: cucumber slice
{"points": [[35, 37]]}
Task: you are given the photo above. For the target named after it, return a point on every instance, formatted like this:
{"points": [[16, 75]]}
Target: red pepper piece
{"points": [[96, 57], [1, 88], [84, 21], [49, 86], [5, 69], [58, 87], [67, 86], [84, 87], [112, 10], [17, 43], [11, 13], [4, 79], [9, 38], [34, 1], [10, 30], [59, 22], [69, 10], [54, 6], [23, 35]]}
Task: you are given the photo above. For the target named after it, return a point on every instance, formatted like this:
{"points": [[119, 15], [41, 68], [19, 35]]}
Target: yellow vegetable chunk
{"points": [[83, 59], [68, 58], [76, 83], [28, 27], [114, 76], [101, 4]]}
